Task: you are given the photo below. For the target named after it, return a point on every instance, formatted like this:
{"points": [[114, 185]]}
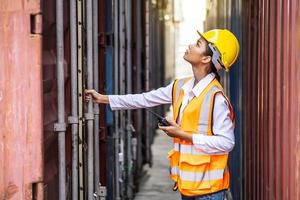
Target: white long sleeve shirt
{"points": [[223, 139]]}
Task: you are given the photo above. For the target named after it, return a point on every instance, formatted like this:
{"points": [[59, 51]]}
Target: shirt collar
{"points": [[200, 86]]}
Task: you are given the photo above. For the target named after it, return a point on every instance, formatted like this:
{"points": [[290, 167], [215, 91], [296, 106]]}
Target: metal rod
{"points": [[122, 91], [147, 65], [79, 97], [96, 106], [129, 163], [74, 102], [116, 91], [90, 114], [60, 98], [139, 12]]}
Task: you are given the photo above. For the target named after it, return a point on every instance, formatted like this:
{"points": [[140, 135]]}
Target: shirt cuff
{"points": [[112, 102], [198, 140]]}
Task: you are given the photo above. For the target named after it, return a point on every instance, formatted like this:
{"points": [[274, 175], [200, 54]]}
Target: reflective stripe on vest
{"points": [[189, 149], [177, 95], [195, 172]]}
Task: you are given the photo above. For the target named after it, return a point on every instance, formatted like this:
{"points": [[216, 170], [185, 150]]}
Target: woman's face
{"points": [[195, 52]]}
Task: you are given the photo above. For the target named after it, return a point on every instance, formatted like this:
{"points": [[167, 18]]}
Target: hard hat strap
{"points": [[216, 57]]}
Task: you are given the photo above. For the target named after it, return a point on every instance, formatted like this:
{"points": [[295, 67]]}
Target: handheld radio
{"points": [[161, 120]]}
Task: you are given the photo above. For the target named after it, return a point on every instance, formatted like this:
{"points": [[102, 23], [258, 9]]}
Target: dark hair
{"points": [[208, 52]]}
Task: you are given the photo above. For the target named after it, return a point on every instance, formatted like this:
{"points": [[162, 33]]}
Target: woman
{"points": [[202, 125]]}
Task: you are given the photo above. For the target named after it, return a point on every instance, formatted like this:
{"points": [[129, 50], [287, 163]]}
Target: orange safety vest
{"points": [[194, 172]]}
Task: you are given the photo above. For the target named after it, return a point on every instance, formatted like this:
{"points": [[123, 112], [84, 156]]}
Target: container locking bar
{"points": [[59, 127]]}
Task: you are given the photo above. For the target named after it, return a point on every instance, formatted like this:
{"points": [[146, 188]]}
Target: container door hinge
{"points": [[102, 193], [60, 127]]}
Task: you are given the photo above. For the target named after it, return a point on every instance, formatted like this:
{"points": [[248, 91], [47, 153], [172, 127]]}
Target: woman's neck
{"points": [[200, 72]]}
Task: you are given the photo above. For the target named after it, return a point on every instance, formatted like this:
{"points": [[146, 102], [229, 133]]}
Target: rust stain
{"points": [[8, 5], [20, 97], [10, 191]]}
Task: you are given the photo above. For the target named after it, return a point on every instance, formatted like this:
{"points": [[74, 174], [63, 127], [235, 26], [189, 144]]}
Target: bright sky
{"points": [[193, 14]]}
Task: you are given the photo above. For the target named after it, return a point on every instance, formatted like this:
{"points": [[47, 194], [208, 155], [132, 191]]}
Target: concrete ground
{"points": [[156, 184]]}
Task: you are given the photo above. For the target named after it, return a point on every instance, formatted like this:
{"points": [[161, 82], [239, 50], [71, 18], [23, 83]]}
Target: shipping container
{"points": [[263, 88], [54, 145], [271, 81], [21, 102]]}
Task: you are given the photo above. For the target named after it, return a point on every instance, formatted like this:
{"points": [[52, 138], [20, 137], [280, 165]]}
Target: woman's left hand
{"points": [[175, 131]]}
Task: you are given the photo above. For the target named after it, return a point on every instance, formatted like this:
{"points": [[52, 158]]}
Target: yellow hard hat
{"points": [[227, 45]]}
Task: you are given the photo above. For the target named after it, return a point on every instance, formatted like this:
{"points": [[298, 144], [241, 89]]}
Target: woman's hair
{"points": [[208, 52]]}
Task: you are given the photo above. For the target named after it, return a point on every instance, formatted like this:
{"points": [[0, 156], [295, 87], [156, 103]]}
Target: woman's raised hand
{"points": [[95, 96]]}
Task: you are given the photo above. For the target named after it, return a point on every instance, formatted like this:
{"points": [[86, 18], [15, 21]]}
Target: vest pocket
{"points": [[194, 173], [174, 160]]}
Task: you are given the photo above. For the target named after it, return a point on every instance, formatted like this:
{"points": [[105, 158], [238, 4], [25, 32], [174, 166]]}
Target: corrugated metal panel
{"points": [[296, 64], [28, 96], [235, 84], [269, 93], [271, 101], [21, 166], [50, 141], [104, 56], [137, 88], [109, 70]]}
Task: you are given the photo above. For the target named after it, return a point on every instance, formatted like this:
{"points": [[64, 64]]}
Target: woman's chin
{"points": [[185, 57]]}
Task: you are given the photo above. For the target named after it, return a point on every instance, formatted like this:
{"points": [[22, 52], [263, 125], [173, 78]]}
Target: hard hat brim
{"points": [[202, 36]]}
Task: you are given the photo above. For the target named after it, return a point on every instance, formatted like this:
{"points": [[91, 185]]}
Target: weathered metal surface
{"points": [[28, 95], [272, 112], [105, 29], [224, 14], [49, 110], [21, 166], [269, 93]]}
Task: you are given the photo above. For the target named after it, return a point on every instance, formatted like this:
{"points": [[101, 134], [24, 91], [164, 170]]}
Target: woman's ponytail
{"points": [[214, 70]]}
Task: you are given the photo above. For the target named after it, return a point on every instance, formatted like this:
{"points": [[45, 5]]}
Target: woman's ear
{"points": [[206, 59]]}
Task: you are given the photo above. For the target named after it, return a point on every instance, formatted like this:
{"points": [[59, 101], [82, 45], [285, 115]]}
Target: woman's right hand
{"points": [[95, 96]]}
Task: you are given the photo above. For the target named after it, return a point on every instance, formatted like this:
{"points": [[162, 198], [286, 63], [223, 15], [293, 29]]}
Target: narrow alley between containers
{"points": [[86, 85]]}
